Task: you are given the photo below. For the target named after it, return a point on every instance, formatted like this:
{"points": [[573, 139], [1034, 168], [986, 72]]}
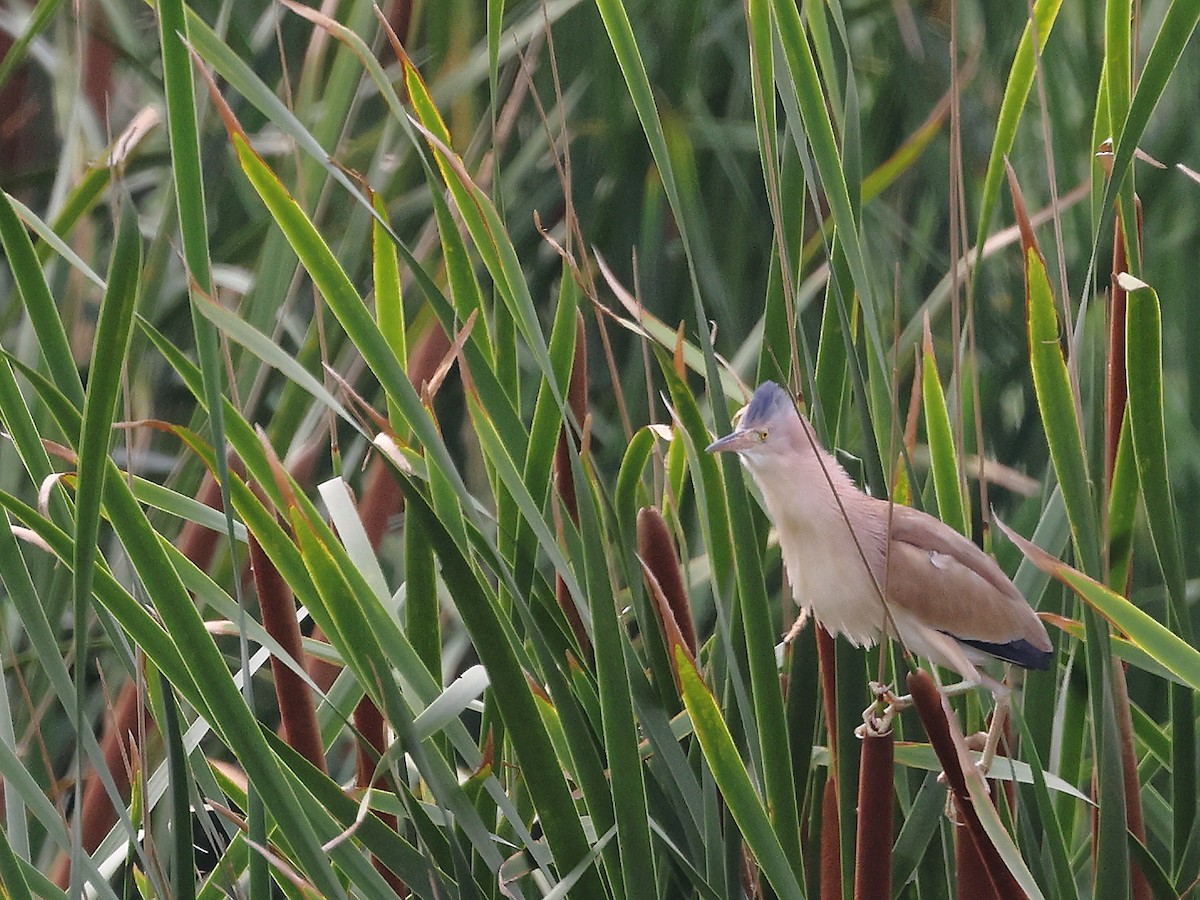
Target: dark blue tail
{"points": [[1020, 652]]}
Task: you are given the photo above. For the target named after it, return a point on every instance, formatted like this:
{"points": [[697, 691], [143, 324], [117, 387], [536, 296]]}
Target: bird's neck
{"points": [[818, 492]]}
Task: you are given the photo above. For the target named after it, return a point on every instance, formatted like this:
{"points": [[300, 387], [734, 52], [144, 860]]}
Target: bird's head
{"points": [[770, 428]]}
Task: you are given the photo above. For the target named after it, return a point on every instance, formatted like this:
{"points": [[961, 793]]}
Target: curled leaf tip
{"points": [[1021, 212], [386, 444], [1106, 156], [1129, 282], [1036, 555]]}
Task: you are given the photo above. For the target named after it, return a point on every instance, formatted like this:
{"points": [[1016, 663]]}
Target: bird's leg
{"points": [[904, 701], [996, 729], [958, 688], [877, 718], [797, 626], [991, 740]]}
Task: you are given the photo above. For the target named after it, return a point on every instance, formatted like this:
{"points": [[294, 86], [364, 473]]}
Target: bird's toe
{"points": [[977, 741]]}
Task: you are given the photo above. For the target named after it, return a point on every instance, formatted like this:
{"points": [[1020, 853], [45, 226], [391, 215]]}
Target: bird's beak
{"points": [[735, 442]]}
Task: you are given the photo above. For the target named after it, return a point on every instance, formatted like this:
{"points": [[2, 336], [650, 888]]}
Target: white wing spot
{"points": [[941, 561]]}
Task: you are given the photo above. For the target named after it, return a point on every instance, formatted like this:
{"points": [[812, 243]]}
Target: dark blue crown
{"points": [[768, 401]]}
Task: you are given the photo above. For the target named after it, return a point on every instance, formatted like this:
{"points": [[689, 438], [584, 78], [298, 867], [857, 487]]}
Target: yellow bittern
{"points": [[864, 567]]}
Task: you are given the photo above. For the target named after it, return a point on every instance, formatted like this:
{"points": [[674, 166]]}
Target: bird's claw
{"points": [[952, 813], [976, 743], [877, 718]]}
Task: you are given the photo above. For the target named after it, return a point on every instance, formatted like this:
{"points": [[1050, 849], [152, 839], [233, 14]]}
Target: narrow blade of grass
{"points": [[947, 478], [730, 773]]}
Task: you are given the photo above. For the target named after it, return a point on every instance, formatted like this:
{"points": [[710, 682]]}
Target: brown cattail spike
{"points": [[657, 551], [873, 844], [831, 844], [120, 728], [931, 706], [297, 713], [369, 723]]}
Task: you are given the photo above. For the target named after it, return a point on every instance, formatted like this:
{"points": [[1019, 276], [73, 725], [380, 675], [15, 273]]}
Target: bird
{"points": [[865, 567]]}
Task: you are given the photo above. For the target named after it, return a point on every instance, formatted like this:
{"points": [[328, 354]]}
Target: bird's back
{"points": [[949, 584]]}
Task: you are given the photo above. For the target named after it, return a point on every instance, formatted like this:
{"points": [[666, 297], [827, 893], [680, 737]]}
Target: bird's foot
{"points": [[977, 743], [951, 810], [877, 718]]}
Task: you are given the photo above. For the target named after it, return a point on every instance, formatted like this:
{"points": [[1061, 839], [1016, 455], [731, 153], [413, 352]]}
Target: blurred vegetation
{"points": [[474, 306]]}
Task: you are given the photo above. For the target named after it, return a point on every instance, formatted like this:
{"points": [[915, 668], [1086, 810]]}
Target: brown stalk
{"points": [[567, 603], [1116, 395], [1116, 390], [577, 391], [297, 712], [657, 551], [427, 367], [400, 17], [666, 619], [971, 873], [931, 706], [302, 462], [831, 841], [121, 726], [369, 723], [277, 607], [873, 844], [382, 499], [1134, 820], [195, 541], [423, 362]]}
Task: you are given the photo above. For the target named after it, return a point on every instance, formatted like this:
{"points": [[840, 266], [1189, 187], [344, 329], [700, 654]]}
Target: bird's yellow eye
{"points": [[762, 435]]}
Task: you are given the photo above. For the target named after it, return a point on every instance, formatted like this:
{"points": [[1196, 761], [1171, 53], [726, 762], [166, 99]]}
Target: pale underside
{"points": [[941, 589]]}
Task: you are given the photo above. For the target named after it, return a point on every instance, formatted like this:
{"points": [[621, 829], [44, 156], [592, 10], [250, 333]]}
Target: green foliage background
{"points": [[776, 192]]}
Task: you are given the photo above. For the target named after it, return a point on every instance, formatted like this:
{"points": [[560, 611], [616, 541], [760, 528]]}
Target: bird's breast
{"points": [[833, 575]]}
